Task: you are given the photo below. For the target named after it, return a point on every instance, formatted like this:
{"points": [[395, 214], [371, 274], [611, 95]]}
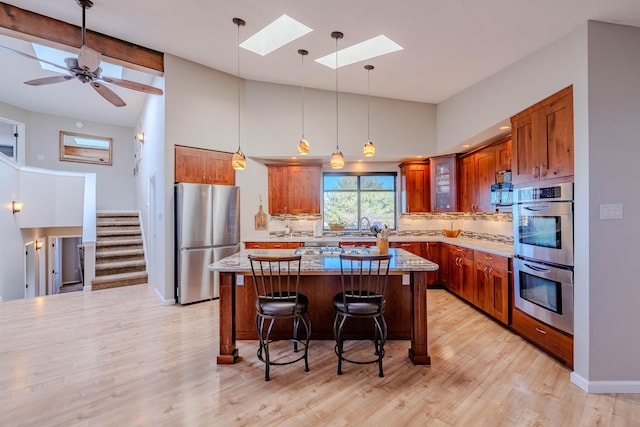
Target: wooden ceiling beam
{"points": [[25, 25]]}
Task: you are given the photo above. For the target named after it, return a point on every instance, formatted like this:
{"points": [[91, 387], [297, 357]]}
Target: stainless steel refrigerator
{"points": [[207, 230]]}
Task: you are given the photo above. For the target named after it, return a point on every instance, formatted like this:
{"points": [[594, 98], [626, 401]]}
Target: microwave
{"points": [[502, 194]]}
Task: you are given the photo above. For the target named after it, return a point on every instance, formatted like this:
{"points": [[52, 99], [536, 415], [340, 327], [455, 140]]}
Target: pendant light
{"points": [[337, 158], [239, 160], [303, 144], [369, 149]]}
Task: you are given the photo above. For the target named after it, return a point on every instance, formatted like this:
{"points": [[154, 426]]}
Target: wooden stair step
{"points": [[120, 242], [119, 253], [119, 264], [118, 280]]}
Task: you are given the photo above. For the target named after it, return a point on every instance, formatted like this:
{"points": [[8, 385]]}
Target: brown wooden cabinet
{"points": [[491, 288], [543, 139], [443, 183], [432, 252], [272, 245], [294, 189], [200, 166], [416, 191], [555, 342], [460, 264], [476, 174]]}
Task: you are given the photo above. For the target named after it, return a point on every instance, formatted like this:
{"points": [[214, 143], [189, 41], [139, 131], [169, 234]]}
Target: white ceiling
{"points": [[449, 45]]}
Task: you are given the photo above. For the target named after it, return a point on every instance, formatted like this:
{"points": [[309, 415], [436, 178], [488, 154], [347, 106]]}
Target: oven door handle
{"points": [[535, 268], [536, 208]]}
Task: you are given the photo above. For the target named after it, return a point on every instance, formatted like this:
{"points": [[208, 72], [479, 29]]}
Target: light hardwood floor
{"points": [[117, 357]]}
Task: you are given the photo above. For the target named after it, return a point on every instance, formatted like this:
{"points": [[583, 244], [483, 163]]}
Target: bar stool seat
{"points": [[364, 281], [276, 281]]}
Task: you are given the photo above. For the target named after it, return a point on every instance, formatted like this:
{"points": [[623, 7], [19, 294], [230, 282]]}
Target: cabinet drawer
{"points": [[496, 262], [553, 341], [255, 245], [462, 252]]}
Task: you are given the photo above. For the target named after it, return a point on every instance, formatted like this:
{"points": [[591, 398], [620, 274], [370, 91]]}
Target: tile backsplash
{"points": [[485, 226]]}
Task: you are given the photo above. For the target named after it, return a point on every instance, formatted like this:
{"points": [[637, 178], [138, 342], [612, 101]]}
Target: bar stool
{"points": [[364, 282], [276, 281]]}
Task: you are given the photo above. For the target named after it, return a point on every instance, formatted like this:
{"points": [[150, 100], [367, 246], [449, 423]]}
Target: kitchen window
{"points": [[352, 195]]}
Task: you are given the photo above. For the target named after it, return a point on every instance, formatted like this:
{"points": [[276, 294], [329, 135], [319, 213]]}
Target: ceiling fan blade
{"points": [[108, 94], [26, 55], [48, 80], [133, 85], [89, 59]]}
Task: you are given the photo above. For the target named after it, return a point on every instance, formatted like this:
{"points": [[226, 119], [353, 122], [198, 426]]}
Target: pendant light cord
{"points": [[302, 73], [337, 134], [368, 107], [238, 79]]}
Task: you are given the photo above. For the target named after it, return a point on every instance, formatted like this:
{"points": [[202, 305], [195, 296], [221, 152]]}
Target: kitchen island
{"points": [[320, 280]]}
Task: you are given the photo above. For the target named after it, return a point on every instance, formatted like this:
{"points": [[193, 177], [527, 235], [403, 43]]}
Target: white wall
{"points": [[114, 190], [614, 146], [12, 247]]}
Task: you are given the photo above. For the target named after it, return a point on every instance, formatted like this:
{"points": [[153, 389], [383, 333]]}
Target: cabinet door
{"points": [[416, 188], [190, 165], [255, 245], [485, 176], [278, 190], [503, 156], [218, 169], [481, 291], [443, 184], [304, 190], [498, 298], [413, 247], [525, 152], [431, 251], [467, 185], [466, 278], [557, 138]]}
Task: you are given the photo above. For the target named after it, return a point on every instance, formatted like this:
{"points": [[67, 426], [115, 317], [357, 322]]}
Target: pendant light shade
{"points": [[337, 158], [303, 144], [239, 160], [369, 149]]}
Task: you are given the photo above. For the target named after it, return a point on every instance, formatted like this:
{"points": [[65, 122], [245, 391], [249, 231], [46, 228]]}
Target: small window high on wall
{"points": [[9, 139], [350, 196]]}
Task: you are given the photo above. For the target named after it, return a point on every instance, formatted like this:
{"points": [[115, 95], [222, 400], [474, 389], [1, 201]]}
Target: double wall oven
{"points": [[543, 245]]}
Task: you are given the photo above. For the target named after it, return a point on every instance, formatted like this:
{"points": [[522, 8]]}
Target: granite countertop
{"points": [[495, 248], [401, 262]]}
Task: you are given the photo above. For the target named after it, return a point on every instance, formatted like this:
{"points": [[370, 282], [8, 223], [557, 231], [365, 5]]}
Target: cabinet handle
{"points": [[535, 172], [459, 249], [488, 257], [543, 170], [541, 331], [490, 271]]}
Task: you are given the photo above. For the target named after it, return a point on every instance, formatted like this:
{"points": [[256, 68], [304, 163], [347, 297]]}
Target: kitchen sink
{"points": [[332, 250]]}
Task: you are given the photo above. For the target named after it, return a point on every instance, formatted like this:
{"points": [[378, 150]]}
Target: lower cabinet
{"points": [[553, 341], [491, 292], [272, 245], [460, 272]]}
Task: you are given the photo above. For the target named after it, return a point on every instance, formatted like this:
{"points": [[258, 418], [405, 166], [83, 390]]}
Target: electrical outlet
{"points": [[611, 211]]}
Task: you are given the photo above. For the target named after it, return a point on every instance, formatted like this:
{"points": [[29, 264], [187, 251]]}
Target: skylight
{"points": [[88, 142], [57, 57], [376, 46], [275, 35]]}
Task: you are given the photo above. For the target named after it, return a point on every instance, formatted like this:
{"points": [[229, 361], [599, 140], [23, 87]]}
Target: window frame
{"points": [[358, 191]]}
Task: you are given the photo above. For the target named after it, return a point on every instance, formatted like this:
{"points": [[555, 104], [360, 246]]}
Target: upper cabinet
{"points": [[443, 183], [543, 139], [476, 174], [201, 166], [294, 189], [416, 191]]}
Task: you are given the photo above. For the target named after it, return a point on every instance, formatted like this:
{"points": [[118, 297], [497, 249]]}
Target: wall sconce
{"points": [[38, 245], [140, 136], [16, 206]]}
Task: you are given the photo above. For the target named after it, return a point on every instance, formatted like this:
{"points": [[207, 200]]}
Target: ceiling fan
{"points": [[86, 68]]}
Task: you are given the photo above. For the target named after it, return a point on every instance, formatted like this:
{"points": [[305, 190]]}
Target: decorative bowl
{"points": [[451, 233], [336, 227]]}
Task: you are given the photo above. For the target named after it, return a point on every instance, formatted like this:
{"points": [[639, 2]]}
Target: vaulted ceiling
{"points": [[448, 45]]}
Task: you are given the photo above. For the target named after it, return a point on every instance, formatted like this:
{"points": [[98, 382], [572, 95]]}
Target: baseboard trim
{"points": [[605, 387], [164, 301]]}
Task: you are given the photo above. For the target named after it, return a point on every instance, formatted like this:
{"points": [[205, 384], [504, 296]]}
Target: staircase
{"points": [[119, 251]]}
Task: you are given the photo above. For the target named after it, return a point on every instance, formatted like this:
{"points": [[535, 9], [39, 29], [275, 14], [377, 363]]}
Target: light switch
{"points": [[406, 279], [611, 211]]}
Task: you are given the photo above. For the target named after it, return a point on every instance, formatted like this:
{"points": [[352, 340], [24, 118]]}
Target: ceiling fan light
{"points": [[239, 161], [337, 159], [303, 147], [369, 149]]}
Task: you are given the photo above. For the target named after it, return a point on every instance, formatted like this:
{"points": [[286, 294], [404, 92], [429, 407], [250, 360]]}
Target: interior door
{"points": [[30, 283], [55, 265]]}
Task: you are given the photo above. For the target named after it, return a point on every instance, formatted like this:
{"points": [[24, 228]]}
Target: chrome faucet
{"points": [[364, 218]]}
